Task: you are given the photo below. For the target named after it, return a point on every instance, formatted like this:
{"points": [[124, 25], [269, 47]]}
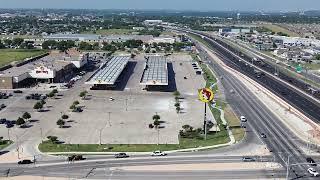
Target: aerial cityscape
{"points": [[159, 89]]}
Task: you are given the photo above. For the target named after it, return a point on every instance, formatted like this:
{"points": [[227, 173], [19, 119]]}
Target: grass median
{"points": [[212, 139]]}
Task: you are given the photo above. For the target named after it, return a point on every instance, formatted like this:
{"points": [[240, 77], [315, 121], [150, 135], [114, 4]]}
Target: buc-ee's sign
{"points": [[42, 69]]}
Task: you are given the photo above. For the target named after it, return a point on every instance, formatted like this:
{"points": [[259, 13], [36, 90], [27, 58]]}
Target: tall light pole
{"points": [[288, 166]]}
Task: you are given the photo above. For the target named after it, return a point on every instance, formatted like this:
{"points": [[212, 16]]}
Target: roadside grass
{"points": [[212, 139], [5, 143], [276, 28], [9, 55], [234, 124]]}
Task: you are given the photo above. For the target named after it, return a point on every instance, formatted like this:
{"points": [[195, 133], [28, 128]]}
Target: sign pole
{"points": [[205, 121]]}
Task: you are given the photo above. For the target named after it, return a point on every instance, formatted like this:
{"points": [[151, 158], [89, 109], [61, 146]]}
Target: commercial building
{"points": [[152, 22], [54, 68]]}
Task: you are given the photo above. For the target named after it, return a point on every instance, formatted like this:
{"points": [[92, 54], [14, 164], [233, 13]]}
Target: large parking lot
{"points": [[123, 120]]}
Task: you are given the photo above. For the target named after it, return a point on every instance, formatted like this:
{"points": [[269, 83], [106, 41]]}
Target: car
{"points": [[121, 155], [25, 161], [248, 159], [9, 124], [262, 135], [243, 119], [3, 121], [18, 91], [111, 99], [310, 160], [313, 172], [158, 153], [77, 109], [76, 158]]}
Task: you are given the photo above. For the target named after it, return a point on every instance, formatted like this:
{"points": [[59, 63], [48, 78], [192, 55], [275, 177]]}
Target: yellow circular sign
{"points": [[206, 95]]}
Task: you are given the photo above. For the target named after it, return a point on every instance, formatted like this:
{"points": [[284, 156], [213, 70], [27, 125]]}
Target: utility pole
{"points": [[41, 135], [8, 134], [100, 131], [205, 121], [288, 167], [109, 114]]}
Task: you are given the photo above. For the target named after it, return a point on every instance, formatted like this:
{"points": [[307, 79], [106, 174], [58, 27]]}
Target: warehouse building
{"points": [[54, 68]]}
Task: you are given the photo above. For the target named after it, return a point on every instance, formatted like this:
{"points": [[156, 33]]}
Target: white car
{"points": [[313, 172], [111, 99], [158, 153], [243, 119]]}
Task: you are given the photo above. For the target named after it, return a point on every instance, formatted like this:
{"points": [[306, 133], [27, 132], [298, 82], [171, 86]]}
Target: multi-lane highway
{"points": [[306, 105], [279, 139]]}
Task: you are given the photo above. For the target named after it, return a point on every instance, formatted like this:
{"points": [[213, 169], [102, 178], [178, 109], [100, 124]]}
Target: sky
{"points": [[199, 5]]}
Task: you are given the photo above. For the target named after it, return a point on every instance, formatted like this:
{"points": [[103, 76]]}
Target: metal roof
{"points": [[110, 72], [155, 71]]}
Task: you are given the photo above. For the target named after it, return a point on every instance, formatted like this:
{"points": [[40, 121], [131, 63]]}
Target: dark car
{"points": [[77, 109], [248, 159], [121, 155], [9, 124], [3, 121], [17, 91], [76, 158], [25, 161], [310, 160], [263, 135], [2, 106]]}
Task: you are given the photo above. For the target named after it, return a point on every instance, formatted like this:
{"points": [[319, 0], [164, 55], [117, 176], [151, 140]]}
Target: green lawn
{"points": [[234, 123], [9, 55], [5, 144], [275, 28], [212, 139]]}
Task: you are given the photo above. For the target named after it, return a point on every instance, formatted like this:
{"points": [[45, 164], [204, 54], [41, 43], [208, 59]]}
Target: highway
{"points": [[112, 168], [279, 140], [309, 107]]}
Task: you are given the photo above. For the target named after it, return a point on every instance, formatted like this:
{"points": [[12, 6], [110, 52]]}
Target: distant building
{"points": [[169, 40], [152, 22]]}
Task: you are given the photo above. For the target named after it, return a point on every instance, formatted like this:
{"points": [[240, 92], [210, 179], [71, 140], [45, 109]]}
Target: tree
{"points": [[51, 94], [53, 139], [83, 94], [156, 117], [20, 121], [60, 123], [38, 106], [2, 46], [75, 102], [85, 46], [26, 116], [43, 102], [72, 107], [64, 116], [17, 41], [178, 109], [176, 93]]}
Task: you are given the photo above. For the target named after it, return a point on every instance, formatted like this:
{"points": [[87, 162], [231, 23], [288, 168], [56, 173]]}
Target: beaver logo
{"points": [[205, 95]]}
